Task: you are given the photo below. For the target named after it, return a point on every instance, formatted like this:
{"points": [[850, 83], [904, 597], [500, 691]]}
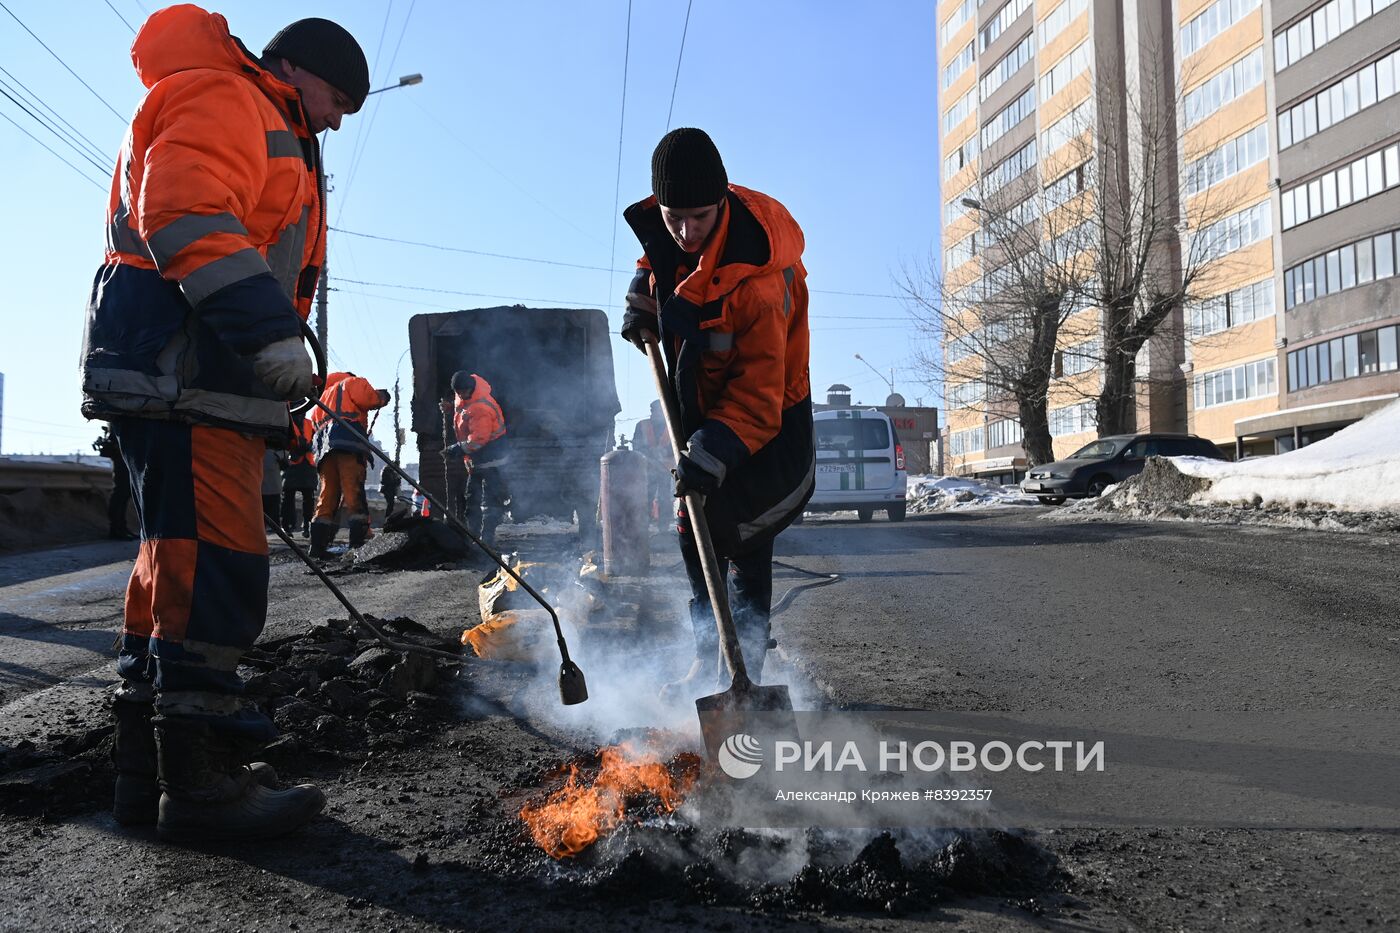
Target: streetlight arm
{"points": [[405, 81]]}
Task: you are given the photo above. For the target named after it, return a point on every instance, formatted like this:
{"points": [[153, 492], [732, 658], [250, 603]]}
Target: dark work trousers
{"points": [[486, 501], [289, 507], [120, 497], [197, 597], [750, 601]]}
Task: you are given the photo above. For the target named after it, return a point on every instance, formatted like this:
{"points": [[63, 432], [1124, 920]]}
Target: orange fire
{"points": [[574, 817]]}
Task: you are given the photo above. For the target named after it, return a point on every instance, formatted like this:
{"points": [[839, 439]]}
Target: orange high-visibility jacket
{"points": [[353, 398], [477, 421], [215, 233], [734, 333]]}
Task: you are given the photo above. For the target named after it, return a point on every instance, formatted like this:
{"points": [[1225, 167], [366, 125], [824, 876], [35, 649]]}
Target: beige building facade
{"points": [[1286, 111]]}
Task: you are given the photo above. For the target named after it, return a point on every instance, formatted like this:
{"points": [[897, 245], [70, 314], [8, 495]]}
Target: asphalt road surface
{"points": [[982, 611]]}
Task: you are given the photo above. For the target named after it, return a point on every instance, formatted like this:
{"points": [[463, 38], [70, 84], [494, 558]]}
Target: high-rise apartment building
{"points": [[1287, 125]]}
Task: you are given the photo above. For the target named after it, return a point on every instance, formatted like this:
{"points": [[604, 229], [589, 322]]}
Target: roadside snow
{"points": [[1347, 482], [933, 493]]}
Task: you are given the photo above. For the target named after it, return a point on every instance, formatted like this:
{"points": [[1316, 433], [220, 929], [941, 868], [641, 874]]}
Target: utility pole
{"points": [[322, 309]]}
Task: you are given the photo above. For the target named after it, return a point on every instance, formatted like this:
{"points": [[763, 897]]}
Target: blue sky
{"points": [[510, 146]]}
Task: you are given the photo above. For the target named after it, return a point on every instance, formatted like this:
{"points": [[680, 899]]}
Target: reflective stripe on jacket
{"points": [[353, 398], [215, 234], [478, 421], [734, 333]]}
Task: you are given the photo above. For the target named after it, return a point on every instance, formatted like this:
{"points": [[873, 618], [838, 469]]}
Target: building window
{"points": [[954, 69], [1212, 21], [1341, 358], [1231, 158], [1322, 26], [1231, 83], [1237, 383], [1079, 358], [1357, 91], [967, 394], [965, 442], [1008, 117], [1222, 312], [1068, 127], [1013, 166], [1364, 177], [1011, 63], [1073, 419], [959, 17], [1065, 71], [1003, 433], [1235, 232], [1354, 264], [964, 108], [998, 23], [1059, 19], [960, 158]]}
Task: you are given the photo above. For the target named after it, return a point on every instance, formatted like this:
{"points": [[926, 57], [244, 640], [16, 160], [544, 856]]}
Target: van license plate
{"points": [[836, 468]]}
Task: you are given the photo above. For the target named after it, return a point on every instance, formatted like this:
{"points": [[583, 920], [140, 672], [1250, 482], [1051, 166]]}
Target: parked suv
{"points": [[1094, 467], [860, 464]]}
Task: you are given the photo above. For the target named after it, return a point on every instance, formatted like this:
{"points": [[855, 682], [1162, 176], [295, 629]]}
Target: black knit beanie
{"points": [[686, 170], [329, 52], [463, 382]]}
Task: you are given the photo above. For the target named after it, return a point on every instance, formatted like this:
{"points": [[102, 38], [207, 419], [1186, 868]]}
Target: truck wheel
{"points": [[1051, 500], [865, 514], [896, 512]]}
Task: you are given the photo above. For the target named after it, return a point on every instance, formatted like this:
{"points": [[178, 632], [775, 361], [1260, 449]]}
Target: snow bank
{"points": [[1357, 469], [932, 493]]}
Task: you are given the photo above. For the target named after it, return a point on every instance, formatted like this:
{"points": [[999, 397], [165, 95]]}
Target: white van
{"points": [[860, 464]]}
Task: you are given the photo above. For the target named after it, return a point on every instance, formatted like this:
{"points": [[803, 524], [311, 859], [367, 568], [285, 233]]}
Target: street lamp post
{"points": [[889, 382], [322, 290]]}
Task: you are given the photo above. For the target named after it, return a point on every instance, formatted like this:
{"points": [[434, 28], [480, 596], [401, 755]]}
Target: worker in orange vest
{"points": [[342, 458], [651, 441], [480, 427]]}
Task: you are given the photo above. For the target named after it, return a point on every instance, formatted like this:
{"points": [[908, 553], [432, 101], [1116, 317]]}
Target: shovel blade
{"points": [[739, 708]]}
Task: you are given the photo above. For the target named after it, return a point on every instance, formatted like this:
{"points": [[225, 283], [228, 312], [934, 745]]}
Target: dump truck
{"points": [[551, 371]]}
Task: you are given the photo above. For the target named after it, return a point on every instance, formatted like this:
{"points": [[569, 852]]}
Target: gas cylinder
{"points": [[624, 507]]}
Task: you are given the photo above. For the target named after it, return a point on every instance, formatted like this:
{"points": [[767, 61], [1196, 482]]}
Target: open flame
{"points": [[574, 817]]}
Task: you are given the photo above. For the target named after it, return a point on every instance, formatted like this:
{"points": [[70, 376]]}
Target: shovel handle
{"points": [[699, 525]]}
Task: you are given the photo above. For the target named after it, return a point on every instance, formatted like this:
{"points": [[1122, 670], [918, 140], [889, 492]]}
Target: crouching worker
{"points": [[480, 426], [342, 458], [723, 286], [215, 236]]}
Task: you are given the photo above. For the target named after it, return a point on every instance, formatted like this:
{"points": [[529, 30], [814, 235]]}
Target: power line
{"points": [[379, 47], [60, 158], [119, 16], [473, 252], [355, 161], [82, 153], [674, 83], [38, 101], [114, 110], [621, 126]]}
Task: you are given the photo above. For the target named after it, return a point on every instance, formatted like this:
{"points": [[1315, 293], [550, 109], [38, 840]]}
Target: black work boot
{"points": [[359, 531], [203, 801], [322, 534], [136, 801]]}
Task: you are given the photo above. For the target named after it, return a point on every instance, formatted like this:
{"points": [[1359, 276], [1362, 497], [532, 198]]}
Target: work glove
{"points": [[285, 367], [692, 477], [709, 455], [641, 315]]}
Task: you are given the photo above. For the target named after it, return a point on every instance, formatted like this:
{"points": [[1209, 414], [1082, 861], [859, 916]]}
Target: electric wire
{"points": [[555, 262], [355, 161], [57, 58], [60, 158], [120, 17], [679, 55], [374, 68], [621, 127], [37, 118], [19, 87]]}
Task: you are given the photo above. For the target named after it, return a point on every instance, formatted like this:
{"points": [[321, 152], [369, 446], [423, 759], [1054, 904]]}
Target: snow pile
{"points": [[934, 493], [1349, 481]]}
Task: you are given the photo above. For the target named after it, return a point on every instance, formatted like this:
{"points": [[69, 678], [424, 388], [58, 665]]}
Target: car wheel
{"points": [[865, 515], [896, 512], [1098, 484], [1051, 500]]}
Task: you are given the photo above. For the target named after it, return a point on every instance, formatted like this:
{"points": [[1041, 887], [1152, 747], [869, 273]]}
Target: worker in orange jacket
{"points": [[342, 458], [299, 477], [215, 238], [723, 286], [480, 427]]}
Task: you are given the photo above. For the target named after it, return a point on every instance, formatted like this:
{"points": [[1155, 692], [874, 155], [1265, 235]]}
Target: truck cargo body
{"points": [[551, 371]]}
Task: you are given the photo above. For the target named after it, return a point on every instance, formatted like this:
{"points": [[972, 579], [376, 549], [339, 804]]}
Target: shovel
{"points": [[722, 715], [573, 688]]}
